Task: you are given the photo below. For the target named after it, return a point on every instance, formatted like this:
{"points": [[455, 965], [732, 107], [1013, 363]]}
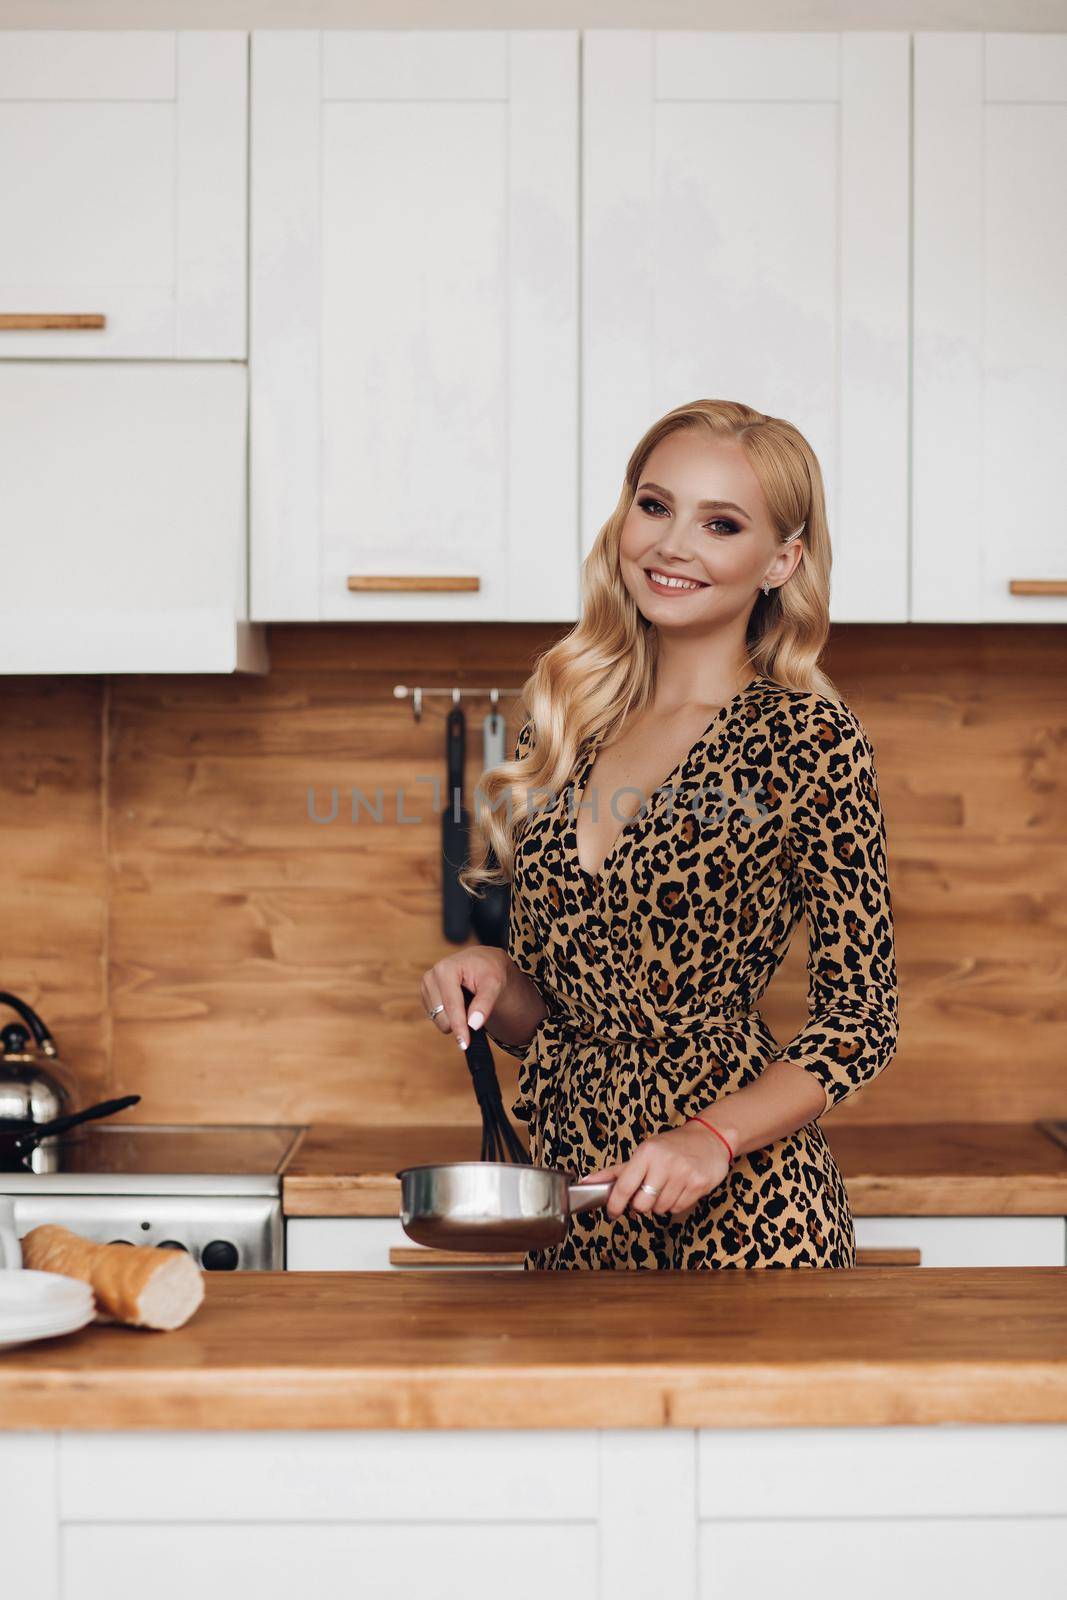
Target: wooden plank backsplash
{"points": [[190, 935]]}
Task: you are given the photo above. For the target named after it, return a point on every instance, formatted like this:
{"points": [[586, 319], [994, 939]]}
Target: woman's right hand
{"points": [[481, 968]]}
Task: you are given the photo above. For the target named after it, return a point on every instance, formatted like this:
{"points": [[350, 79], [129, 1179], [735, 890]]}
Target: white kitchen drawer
{"points": [[341, 1244], [972, 1241], [362, 1244], [433, 1561], [949, 1470], [924, 1557], [377, 1475]]}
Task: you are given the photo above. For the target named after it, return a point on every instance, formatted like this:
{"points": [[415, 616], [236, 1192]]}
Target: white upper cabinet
{"points": [[124, 157], [990, 327], [123, 383], [123, 517], [414, 233], [745, 216]]}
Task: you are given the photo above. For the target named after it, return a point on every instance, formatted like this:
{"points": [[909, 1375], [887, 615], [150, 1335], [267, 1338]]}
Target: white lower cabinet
{"points": [[382, 1514], [836, 1512], [630, 1514], [352, 1244], [971, 1241]]}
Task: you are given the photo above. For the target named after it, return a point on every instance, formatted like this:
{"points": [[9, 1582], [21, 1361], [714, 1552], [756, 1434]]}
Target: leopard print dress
{"points": [[652, 969]]}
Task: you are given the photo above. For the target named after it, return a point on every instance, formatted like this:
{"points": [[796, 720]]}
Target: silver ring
{"points": [[436, 1009], [649, 1189]]}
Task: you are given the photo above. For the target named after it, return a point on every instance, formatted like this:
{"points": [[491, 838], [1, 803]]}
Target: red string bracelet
{"points": [[716, 1132]]}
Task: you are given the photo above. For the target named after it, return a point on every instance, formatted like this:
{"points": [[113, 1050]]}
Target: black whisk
{"points": [[500, 1142]]}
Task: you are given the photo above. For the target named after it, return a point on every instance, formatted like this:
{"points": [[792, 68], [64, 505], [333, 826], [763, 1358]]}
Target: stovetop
{"points": [[149, 1158]]}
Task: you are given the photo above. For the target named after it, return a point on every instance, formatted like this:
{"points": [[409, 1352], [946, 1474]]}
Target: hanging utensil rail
{"points": [[404, 691]]}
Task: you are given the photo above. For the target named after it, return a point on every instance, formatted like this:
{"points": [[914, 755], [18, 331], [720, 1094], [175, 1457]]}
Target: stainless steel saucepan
{"points": [[492, 1205]]}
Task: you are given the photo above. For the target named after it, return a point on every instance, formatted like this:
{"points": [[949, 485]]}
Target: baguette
{"points": [[132, 1283]]}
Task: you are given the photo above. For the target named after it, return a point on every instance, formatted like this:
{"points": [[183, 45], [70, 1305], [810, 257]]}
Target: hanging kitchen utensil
{"points": [[16, 1145], [489, 910], [34, 1084], [455, 827], [491, 1204]]}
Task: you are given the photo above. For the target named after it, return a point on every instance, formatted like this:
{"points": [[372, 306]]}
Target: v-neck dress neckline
{"points": [[570, 833]]}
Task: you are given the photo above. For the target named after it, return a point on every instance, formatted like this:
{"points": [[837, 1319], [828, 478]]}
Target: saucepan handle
{"points": [[587, 1196], [47, 1130]]}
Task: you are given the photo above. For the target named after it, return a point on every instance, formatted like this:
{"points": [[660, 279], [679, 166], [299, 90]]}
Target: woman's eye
{"points": [[716, 522]]}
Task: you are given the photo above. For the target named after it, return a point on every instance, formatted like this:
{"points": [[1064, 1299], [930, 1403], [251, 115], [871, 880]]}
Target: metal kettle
{"points": [[34, 1085]]}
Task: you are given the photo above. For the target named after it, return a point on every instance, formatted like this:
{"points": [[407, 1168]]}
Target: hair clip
{"points": [[797, 531]]}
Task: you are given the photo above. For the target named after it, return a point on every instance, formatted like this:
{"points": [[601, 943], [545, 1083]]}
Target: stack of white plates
{"points": [[40, 1305]]}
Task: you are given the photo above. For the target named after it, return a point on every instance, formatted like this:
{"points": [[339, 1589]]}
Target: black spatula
{"points": [[489, 909], [455, 830]]}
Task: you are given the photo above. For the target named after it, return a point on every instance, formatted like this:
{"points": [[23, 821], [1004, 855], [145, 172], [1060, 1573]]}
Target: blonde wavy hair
{"points": [[587, 684]]}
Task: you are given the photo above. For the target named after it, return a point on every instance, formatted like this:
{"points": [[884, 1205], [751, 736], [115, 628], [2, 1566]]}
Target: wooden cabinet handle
{"points": [[1037, 586], [417, 1255], [52, 319], [363, 582], [878, 1255]]}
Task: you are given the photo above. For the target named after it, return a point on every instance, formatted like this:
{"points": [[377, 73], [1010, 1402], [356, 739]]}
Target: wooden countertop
{"points": [[549, 1350], [890, 1169]]}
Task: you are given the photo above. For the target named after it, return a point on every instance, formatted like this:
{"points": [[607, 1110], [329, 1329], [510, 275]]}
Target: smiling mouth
{"points": [[663, 583]]}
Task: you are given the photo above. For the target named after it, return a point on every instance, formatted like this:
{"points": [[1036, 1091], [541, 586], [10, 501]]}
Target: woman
{"points": [[642, 935]]}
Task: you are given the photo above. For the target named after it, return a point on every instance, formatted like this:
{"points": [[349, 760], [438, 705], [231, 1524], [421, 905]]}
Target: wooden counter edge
{"points": [[367, 1194], [831, 1394], [1020, 1195], [377, 1194]]}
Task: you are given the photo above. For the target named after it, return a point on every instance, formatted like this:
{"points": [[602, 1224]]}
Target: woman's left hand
{"points": [[683, 1164]]}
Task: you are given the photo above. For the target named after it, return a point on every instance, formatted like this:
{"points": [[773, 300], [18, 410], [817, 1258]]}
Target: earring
{"points": [[766, 587]]}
